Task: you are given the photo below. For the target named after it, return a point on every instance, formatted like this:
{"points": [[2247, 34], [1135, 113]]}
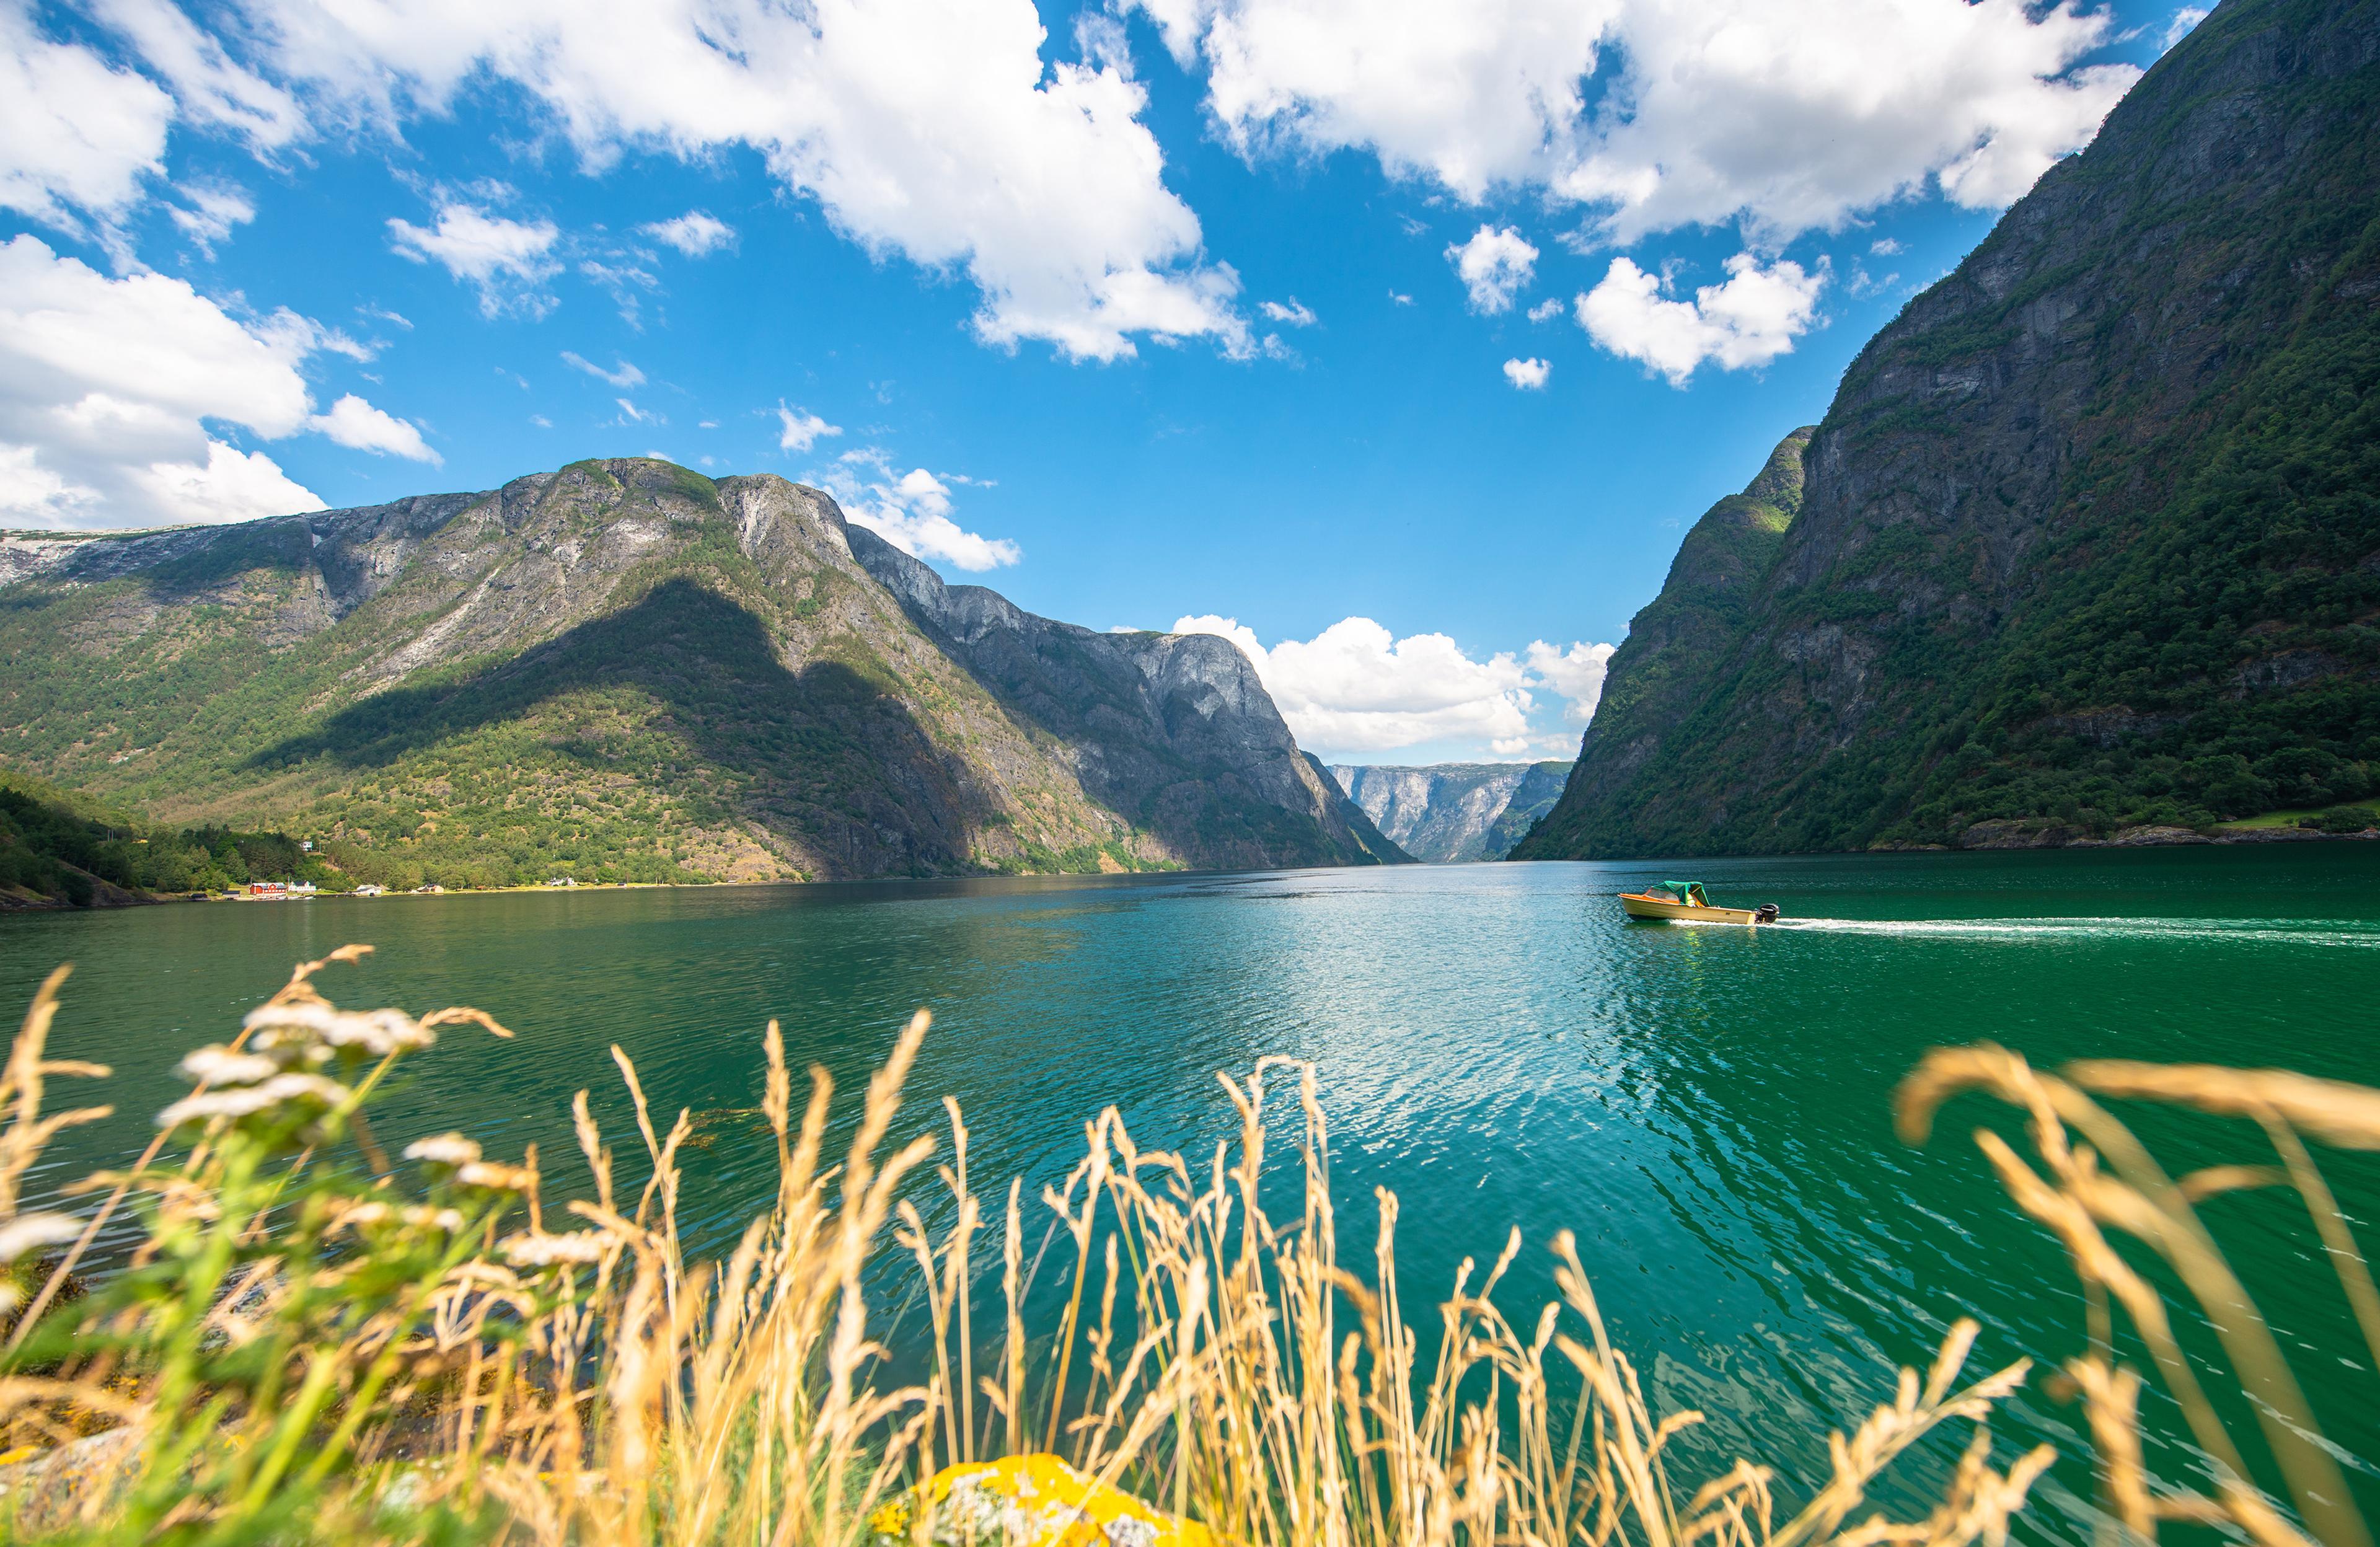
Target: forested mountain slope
{"points": [[2090, 537], [621, 670]]}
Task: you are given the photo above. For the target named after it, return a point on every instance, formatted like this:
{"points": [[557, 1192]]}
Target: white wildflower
{"points": [[492, 1174], [448, 1220], [27, 1232], [446, 1149], [243, 1100], [377, 1032], [217, 1065], [534, 1249]]}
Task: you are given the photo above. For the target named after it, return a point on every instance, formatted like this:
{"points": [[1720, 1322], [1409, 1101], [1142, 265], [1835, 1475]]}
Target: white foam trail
{"points": [[2275, 932]]}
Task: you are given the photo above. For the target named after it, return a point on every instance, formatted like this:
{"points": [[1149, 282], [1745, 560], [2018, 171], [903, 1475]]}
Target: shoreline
{"points": [[2004, 839]]}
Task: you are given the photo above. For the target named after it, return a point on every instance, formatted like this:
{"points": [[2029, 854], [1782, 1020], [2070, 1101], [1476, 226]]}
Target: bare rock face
{"points": [[1174, 730], [2085, 543], [623, 670], [1453, 812]]}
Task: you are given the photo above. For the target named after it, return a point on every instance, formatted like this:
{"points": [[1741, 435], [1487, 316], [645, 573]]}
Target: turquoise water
{"points": [[1706, 1108]]}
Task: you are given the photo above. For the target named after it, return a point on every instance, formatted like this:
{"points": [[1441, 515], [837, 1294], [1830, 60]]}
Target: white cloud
{"points": [[76, 134], [1398, 299], [1495, 266], [209, 87], [1466, 95], [212, 211], [929, 130], [1296, 315], [801, 429], [30, 492], [631, 414], [1785, 117], [1546, 310], [911, 510], [696, 233], [1529, 375], [354, 422], [1749, 320], [119, 399], [2184, 19], [231, 486], [626, 377], [382, 314], [505, 261], [1575, 674], [1357, 688], [1885, 246]]}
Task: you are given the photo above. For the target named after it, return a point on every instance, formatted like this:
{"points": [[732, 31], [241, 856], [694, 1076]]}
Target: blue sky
{"points": [[1399, 341]]}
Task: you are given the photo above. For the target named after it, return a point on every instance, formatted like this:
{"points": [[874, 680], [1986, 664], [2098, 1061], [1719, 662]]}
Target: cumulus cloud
{"points": [[696, 233], [1547, 310], [1296, 314], [505, 261], [1575, 674], [801, 430], [929, 130], [119, 399], [626, 377], [354, 422], [1785, 117], [1355, 688], [911, 510], [1529, 375], [1748, 320], [1495, 266], [78, 137]]}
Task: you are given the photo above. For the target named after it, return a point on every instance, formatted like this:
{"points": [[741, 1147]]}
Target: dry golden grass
{"points": [[428, 1348]]}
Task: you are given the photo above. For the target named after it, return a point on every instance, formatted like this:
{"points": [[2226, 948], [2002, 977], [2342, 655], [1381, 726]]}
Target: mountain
{"points": [[1453, 811], [2086, 545], [1539, 788], [625, 671]]}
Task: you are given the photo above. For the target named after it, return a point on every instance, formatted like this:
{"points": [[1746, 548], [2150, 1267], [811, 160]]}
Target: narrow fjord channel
{"points": [[1709, 1110]]}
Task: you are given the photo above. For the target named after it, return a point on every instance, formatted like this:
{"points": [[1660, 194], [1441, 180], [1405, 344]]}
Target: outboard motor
{"points": [[1766, 913]]}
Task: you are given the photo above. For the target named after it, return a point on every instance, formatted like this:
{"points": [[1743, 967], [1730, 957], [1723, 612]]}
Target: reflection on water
{"points": [[1706, 1108]]}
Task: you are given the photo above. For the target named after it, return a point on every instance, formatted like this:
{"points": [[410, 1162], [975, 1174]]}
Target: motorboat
{"points": [[1690, 902]]}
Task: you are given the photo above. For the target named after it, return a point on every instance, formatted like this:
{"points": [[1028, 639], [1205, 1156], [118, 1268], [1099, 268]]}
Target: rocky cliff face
{"points": [[1174, 730], [624, 670], [2086, 540], [1448, 813]]}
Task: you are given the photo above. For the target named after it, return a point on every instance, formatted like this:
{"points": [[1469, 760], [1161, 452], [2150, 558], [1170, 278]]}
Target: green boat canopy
{"points": [[1689, 891]]}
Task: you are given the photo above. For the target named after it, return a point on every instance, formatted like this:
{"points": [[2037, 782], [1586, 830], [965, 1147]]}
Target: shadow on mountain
{"points": [[820, 755]]}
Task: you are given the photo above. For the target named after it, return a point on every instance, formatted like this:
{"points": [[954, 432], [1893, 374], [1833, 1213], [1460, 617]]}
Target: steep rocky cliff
{"points": [[1451, 812], [624, 670], [1173, 730], [2087, 540]]}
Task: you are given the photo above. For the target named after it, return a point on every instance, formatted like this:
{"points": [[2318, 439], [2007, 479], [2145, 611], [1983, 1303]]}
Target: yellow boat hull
{"points": [[1641, 906]]}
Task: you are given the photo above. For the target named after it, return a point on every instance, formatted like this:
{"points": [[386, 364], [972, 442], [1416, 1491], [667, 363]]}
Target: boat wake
{"points": [[2335, 934]]}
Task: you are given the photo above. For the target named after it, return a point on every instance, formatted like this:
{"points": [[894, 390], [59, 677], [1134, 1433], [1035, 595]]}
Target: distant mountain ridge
{"points": [[1452, 812], [624, 670], [2087, 547]]}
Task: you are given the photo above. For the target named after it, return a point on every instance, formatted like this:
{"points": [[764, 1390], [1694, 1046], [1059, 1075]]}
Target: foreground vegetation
{"points": [[314, 1340]]}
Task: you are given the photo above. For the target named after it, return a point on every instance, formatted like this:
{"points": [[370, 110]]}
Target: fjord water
{"points": [[1706, 1108]]}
